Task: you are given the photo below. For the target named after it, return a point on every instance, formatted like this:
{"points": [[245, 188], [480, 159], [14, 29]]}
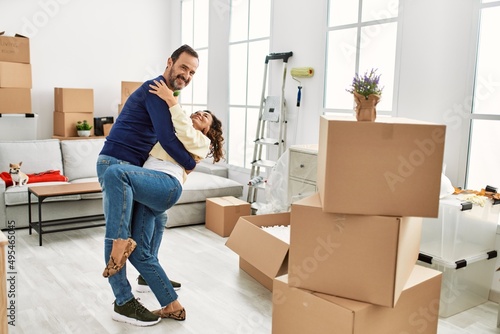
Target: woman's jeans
{"points": [[135, 200]]}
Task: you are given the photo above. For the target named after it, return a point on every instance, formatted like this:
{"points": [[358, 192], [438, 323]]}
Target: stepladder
{"points": [[270, 137]]}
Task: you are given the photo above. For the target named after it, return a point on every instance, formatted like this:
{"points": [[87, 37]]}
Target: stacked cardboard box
{"points": [[350, 264], [70, 106], [128, 87], [354, 245], [297, 311], [15, 75]]}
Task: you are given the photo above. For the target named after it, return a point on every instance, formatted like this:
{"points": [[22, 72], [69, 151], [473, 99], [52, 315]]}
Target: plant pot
{"points": [[366, 107], [83, 133]]}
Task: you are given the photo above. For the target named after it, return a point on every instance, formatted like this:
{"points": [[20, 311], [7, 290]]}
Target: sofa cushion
{"points": [[200, 186], [80, 157], [36, 155]]}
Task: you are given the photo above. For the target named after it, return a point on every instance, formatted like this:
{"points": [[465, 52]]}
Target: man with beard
{"points": [[142, 123]]}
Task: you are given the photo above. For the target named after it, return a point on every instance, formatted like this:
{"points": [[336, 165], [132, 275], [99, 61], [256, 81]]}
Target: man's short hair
{"points": [[184, 48]]}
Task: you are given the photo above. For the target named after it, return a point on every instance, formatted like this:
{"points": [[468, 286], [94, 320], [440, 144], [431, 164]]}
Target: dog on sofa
{"points": [[17, 176]]}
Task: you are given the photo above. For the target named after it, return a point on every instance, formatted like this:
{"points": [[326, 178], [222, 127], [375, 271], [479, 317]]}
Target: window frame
{"points": [[468, 120], [187, 96], [359, 25]]}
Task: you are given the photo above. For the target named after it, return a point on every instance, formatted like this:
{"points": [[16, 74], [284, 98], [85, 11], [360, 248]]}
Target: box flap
{"points": [[258, 247]]}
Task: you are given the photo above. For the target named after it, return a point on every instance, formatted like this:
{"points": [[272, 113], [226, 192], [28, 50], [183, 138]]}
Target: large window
{"points": [[195, 33], [484, 159], [248, 47], [361, 36]]}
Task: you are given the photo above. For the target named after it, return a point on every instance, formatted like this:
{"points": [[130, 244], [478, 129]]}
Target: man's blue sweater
{"points": [[144, 120]]}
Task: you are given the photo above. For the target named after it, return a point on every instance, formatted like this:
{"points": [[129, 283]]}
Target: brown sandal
{"points": [[166, 312], [119, 254]]}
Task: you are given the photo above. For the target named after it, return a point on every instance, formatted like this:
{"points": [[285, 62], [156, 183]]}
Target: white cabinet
{"points": [[303, 165]]}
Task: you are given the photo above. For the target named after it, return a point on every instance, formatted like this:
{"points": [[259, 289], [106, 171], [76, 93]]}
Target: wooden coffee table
{"points": [[44, 192]]}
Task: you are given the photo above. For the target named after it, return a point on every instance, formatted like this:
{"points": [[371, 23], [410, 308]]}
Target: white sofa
{"points": [[76, 159]]}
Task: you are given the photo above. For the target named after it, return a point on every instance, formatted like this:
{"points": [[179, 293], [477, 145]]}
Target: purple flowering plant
{"points": [[366, 84]]}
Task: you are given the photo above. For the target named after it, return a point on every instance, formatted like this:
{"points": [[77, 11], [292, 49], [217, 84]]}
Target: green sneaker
{"points": [[142, 286], [134, 313]]}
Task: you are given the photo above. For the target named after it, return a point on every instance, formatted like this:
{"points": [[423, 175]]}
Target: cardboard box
{"points": [[15, 75], [14, 49], [390, 167], [365, 258], [15, 101], [106, 128], [74, 100], [222, 213], [262, 255], [99, 123], [65, 123], [128, 87], [298, 311]]}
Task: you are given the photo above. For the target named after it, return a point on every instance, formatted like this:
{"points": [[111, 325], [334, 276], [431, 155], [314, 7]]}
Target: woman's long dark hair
{"points": [[216, 138]]}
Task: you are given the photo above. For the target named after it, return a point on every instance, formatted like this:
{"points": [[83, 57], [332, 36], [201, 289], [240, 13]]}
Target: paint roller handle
{"points": [[299, 95], [280, 55]]}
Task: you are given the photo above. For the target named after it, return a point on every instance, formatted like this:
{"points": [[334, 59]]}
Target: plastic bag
{"points": [[276, 191]]}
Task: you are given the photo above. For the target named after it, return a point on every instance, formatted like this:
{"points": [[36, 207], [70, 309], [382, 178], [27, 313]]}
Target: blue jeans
{"points": [[135, 200]]}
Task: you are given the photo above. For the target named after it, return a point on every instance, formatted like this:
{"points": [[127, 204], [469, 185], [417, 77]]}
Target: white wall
{"points": [[89, 44], [435, 72], [436, 67], [97, 44]]}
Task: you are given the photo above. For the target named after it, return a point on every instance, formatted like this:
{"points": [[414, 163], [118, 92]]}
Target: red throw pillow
{"points": [[47, 176]]}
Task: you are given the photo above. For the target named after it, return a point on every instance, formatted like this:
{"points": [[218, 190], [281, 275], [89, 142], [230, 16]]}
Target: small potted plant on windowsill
{"points": [[367, 94], [83, 128]]}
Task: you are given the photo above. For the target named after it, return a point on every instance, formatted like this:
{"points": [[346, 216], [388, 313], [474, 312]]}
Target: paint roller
{"points": [[301, 72]]}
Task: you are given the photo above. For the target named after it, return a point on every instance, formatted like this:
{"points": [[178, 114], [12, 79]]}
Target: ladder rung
{"points": [[264, 163], [267, 141]]}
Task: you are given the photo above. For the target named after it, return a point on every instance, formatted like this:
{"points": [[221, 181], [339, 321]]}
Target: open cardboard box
{"points": [[262, 255], [298, 311]]}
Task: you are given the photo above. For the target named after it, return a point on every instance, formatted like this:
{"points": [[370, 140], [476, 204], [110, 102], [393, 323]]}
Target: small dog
{"points": [[17, 176]]}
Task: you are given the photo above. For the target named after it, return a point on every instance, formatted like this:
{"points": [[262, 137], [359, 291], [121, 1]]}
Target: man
{"points": [[142, 123]]}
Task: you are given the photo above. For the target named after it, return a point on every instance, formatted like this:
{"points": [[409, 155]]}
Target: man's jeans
{"points": [[135, 200]]}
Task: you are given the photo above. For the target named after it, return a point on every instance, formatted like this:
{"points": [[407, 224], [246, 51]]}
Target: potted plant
{"points": [[83, 128], [367, 94]]}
